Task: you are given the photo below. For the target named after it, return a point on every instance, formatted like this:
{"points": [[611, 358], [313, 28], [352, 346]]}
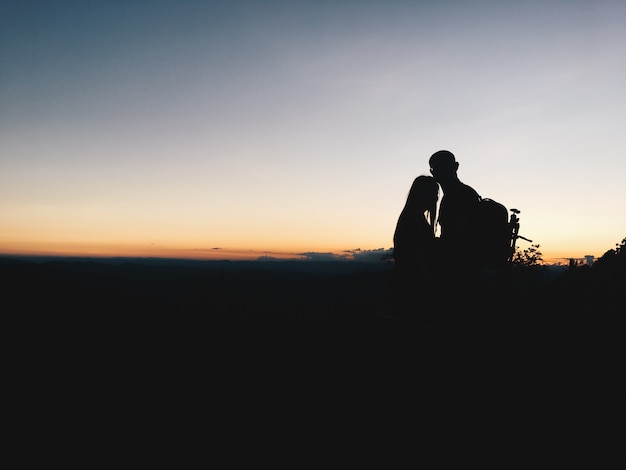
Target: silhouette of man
{"points": [[457, 207]]}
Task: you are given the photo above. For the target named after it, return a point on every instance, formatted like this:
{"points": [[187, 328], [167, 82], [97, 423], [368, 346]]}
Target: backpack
{"points": [[491, 234]]}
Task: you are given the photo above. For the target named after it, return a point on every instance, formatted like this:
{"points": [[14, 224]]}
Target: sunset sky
{"points": [[228, 129]]}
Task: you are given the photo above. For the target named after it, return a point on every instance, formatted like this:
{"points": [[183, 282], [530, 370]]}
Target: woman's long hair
{"points": [[421, 190]]}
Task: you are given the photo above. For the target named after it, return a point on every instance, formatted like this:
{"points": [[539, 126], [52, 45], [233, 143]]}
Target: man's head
{"points": [[443, 165]]}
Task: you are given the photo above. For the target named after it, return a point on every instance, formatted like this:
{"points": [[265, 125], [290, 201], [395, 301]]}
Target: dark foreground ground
{"points": [[181, 360]]}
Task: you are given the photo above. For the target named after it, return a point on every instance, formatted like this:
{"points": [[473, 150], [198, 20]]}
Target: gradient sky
{"points": [[271, 128]]}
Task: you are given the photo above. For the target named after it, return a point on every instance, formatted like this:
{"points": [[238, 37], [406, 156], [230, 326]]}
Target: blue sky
{"points": [[275, 127]]}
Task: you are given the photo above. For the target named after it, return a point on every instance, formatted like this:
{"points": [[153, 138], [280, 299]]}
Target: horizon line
{"points": [[304, 258]]}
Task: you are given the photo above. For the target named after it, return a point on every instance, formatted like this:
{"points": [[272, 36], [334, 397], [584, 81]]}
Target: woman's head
{"points": [[424, 192]]}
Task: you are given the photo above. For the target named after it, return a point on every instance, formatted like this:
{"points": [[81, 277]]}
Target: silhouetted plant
{"points": [[613, 260], [530, 256]]}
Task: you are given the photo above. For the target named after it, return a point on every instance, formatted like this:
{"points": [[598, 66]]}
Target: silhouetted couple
{"points": [[426, 265]]}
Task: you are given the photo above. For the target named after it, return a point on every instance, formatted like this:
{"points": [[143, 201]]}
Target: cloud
{"points": [[316, 256], [357, 254], [370, 256]]}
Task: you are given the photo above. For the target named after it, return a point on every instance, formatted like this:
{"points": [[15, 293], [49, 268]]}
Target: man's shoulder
{"points": [[465, 191], [471, 191]]}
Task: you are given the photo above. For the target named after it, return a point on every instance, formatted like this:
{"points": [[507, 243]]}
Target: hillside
{"points": [[149, 355]]}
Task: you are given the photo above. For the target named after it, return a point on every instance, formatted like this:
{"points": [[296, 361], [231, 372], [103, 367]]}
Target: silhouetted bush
{"points": [[613, 261], [530, 256]]}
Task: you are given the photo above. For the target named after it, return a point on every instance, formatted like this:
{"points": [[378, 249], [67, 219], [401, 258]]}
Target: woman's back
{"points": [[413, 240]]}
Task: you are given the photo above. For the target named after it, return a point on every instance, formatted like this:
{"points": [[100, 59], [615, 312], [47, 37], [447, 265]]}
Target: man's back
{"points": [[458, 204]]}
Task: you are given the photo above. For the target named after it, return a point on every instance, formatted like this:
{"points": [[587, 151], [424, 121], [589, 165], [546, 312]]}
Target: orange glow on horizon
{"points": [[171, 251], [153, 251]]}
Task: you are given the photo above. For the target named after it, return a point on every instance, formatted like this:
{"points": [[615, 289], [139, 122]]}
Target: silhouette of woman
{"points": [[414, 243]]}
